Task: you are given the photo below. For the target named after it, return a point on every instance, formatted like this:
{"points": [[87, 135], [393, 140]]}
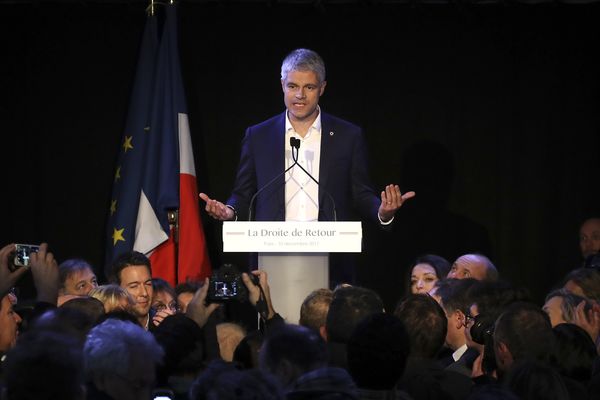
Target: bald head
{"points": [[589, 237], [475, 266]]}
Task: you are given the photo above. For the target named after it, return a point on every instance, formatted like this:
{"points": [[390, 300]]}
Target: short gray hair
{"points": [[569, 304], [112, 345], [303, 60]]}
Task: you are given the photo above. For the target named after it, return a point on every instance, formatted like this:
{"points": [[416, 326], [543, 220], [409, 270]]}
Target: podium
{"points": [[295, 255]]}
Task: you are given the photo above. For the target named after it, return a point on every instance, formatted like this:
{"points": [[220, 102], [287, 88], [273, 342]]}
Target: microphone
{"points": [[294, 144]]}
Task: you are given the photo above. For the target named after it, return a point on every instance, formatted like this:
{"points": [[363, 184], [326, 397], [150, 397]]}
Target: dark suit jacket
{"points": [[343, 172]]}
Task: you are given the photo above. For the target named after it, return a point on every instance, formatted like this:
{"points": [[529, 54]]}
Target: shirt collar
{"points": [[316, 125]]}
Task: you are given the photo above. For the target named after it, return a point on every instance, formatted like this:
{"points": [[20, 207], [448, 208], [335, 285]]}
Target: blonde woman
{"points": [[113, 297]]}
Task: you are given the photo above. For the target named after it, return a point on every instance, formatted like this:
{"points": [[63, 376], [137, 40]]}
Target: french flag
{"points": [[156, 173]]}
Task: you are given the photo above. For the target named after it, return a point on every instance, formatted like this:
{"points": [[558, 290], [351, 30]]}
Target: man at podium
{"points": [[303, 164]]}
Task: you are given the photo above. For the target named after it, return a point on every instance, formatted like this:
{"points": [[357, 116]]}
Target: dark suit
{"points": [[342, 172]]}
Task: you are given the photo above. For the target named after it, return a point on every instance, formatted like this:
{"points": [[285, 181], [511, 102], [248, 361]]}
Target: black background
{"points": [[489, 112]]}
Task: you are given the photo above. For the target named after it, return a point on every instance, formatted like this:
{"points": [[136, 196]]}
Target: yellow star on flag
{"points": [[127, 143], [117, 235], [118, 174], [113, 207]]}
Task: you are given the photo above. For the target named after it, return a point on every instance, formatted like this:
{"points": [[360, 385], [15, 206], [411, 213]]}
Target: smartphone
{"points": [[22, 253]]}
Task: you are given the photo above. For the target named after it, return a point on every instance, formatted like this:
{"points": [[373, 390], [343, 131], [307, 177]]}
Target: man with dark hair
{"points": [[523, 331], [348, 307], [426, 325], [314, 309], [133, 273], [452, 295], [76, 277], [377, 354], [185, 292]]}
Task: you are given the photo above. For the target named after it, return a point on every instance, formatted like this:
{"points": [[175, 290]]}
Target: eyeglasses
{"points": [[171, 306]]}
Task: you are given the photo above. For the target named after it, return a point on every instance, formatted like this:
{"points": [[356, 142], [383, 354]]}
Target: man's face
{"points": [[80, 282], [589, 237], [9, 325], [554, 311], [301, 93], [468, 266], [137, 281]]}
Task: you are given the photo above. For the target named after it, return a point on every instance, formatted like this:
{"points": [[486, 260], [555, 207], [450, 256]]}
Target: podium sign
{"points": [[292, 237]]}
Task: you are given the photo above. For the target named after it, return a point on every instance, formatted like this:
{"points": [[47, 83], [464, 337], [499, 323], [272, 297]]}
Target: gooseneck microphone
{"points": [[294, 144]]}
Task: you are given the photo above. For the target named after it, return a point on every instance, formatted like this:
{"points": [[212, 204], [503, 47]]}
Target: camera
{"points": [[482, 332], [226, 284], [20, 256]]}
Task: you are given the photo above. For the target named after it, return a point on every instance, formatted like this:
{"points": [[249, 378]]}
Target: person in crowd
{"points": [[44, 270], [297, 357], [76, 277], [185, 292], [348, 306], [584, 282], [561, 306], [44, 365], [113, 297], [575, 353], [589, 237], [377, 353], [426, 325], [120, 360], [164, 296], [533, 379], [132, 271], [523, 331], [475, 266], [223, 381], [313, 312], [229, 335], [452, 295], [426, 271]]}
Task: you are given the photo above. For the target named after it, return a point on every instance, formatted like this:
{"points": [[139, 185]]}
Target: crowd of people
{"points": [[459, 332]]}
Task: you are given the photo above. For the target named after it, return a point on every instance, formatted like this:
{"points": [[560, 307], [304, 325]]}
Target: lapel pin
{"points": [[330, 133]]}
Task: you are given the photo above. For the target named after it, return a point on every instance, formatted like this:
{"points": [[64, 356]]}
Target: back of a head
{"points": [[575, 352], [229, 336], [533, 380], [44, 365], [492, 298], [526, 331], [90, 306], [425, 323], [125, 260], [112, 346], [245, 385], [377, 352], [292, 350], [70, 321], [348, 307], [112, 296], [313, 312], [453, 294]]}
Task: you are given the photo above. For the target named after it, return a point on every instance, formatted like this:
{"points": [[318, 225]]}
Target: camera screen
{"points": [[225, 289], [22, 253]]}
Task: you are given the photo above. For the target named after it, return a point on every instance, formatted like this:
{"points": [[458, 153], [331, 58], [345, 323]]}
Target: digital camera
{"points": [[226, 284], [21, 254]]}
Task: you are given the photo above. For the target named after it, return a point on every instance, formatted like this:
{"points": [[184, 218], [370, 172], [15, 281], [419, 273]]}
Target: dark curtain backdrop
{"points": [[489, 112]]}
